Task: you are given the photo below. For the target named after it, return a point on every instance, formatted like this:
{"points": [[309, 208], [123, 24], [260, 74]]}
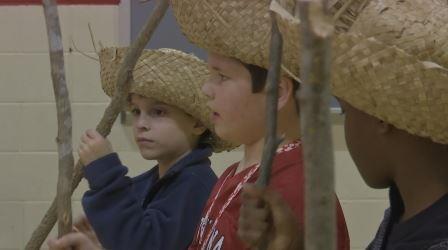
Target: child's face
{"points": [[162, 132], [366, 146], [238, 114]]}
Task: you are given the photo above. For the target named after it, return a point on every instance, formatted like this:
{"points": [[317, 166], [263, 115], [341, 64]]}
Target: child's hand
{"points": [[273, 220], [93, 146], [82, 225], [72, 241]]}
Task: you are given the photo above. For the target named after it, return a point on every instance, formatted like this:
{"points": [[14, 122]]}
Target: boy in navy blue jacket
{"points": [[161, 208]]}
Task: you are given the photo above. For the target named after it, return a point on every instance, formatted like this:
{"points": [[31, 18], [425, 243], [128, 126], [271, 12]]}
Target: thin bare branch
{"points": [[82, 53], [92, 37], [64, 117]]}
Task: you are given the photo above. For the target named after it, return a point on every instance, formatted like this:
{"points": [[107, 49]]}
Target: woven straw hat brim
{"points": [[392, 85], [234, 28], [242, 29], [390, 61], [168, 76], [344, 12], [419, 27]]}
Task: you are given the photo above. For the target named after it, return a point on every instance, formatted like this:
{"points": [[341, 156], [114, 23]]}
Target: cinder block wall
{"points": [[28, 158]]}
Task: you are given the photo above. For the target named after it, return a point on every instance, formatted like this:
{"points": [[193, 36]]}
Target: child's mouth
{"points": [[215, 116], [144, 141]]}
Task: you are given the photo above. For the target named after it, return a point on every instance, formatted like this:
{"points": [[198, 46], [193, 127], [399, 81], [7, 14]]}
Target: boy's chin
{"points": [[227, 137], [237, 139], [221, 133], [148, 155], [377, 184], [149, 158]]}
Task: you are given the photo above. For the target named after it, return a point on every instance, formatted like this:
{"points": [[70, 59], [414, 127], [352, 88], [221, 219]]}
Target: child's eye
{"points": [[157, 112], [217, 77], [222, 77], [135, 112]]}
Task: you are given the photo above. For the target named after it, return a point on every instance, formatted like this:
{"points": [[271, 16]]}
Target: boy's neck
{"points": [[288, 127], [421, 180], [165, 164], [419, 196], [253, 153]]}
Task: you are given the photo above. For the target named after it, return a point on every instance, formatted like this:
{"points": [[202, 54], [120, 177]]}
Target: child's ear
{"points": [[285, 91], [199, 128]]}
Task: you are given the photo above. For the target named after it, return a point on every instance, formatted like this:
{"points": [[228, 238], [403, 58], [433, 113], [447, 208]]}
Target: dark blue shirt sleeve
{"points": [[119, 220]]}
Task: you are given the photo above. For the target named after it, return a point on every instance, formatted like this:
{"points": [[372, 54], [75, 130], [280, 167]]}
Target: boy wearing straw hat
{"points": [[390, 74], [161, 208], [236, 35]]}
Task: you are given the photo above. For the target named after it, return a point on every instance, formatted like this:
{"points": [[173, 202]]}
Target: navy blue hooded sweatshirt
{"points": [[147, 212], [428, 230]]}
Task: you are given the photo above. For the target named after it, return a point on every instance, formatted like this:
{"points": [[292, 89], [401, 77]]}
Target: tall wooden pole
{"points": [[271, 139], [314, 100], [64, 117], [110, 115]]}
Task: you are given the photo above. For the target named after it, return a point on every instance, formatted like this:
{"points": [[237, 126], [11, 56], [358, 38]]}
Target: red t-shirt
{"points": [[219, 222]]}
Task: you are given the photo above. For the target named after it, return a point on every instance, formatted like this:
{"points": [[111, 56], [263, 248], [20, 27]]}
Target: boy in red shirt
{"points": [[236, 35]]}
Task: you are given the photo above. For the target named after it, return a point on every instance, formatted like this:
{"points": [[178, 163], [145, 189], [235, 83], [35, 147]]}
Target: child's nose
{"points": [[207, 89], [142, 123]]}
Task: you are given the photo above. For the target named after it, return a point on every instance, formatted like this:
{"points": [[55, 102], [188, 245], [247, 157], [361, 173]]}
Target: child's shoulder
{"points": [[201, 170], [199, 173]]}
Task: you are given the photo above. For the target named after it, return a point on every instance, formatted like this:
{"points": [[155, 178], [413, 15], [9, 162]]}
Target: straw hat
{"points": [[167, 75], [390, 58], [393, 64], [242, 29], [234, 28]]}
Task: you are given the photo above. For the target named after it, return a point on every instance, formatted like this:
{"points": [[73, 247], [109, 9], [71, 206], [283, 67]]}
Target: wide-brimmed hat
{"points": [[168, 76], [393, 64], [390, 58], [242, 29], [233, 28]]}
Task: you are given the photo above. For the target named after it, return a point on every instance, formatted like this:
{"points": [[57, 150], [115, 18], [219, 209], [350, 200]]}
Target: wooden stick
{"points": [[64, 117], [271, 142], [110, 115], [314, 98]]}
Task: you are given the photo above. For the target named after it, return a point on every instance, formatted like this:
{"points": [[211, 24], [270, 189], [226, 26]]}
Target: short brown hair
{"points": [[259, 76]]}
